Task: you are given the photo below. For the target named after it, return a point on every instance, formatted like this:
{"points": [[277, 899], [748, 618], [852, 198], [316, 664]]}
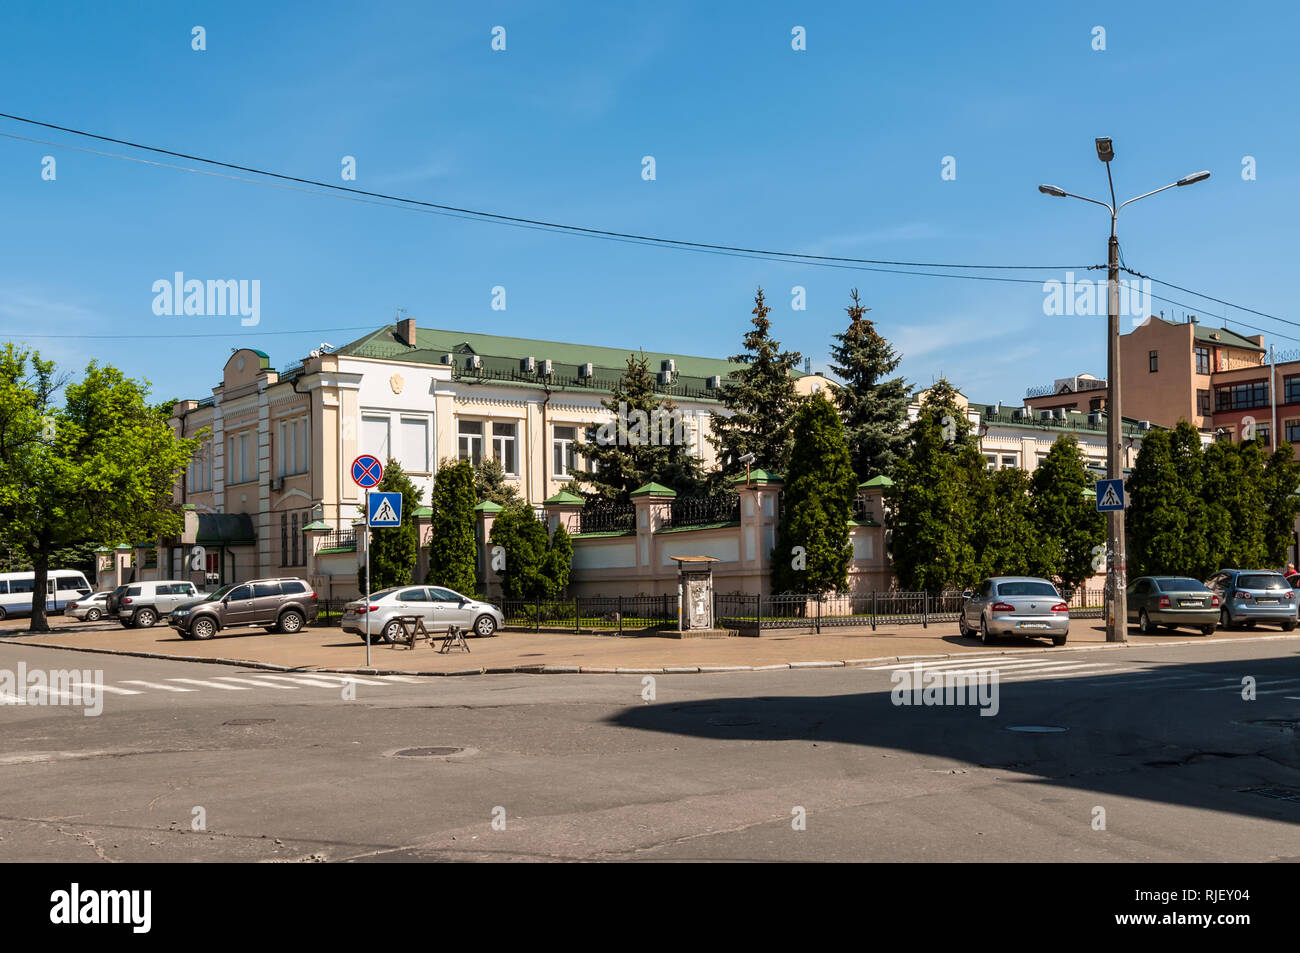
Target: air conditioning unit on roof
{"points": [[528, 364], [586, 370], [546, 368], [474, 362], [714, 382]]}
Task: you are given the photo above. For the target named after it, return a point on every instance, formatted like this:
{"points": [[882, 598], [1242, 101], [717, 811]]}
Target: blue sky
{"points": [[834, 150]]}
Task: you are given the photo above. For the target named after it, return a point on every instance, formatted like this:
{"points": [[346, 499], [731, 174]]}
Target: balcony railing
{"points": [[339, 539]]}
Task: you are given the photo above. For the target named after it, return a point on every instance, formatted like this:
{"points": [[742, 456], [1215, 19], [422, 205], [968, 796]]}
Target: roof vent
{"points": [[586, 370], [528, 364]]}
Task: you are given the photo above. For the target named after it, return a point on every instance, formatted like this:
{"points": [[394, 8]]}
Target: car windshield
{"points": [[1261, 580], [1179, 584], [1027, 589]]}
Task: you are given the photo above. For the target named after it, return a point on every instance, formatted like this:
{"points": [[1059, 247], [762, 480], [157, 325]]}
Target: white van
{"points": [[62, 586]]}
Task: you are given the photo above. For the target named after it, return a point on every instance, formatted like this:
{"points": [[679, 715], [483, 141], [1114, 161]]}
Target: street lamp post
{"points": [[1116, 562]]}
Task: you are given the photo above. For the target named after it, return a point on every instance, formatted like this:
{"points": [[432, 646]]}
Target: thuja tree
{"points": [[452, 550], [812, 550], [536, 566], [394, 551], [1068, 527]]}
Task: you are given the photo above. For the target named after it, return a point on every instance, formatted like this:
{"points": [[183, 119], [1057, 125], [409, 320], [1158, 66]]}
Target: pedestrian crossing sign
{"points": [[1110, 496], [383, 509]]}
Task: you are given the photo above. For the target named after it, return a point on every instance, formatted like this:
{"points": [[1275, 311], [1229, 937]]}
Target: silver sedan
{"points": [[1014, 605], [440, 608]]}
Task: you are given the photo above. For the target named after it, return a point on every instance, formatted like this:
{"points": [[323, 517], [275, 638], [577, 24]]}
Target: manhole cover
{"points": [[1037, 729], [1285, 724], [235, 722], [444, 751], [1281, 794]]}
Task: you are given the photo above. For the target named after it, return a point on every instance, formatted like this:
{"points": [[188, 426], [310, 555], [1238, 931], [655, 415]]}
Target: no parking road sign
{"points": [[1110, 496], [367, 471], [383, 509]]}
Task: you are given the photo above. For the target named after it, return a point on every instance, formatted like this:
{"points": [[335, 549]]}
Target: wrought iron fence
{"points": [[339, 539], [607, 518], [702, 510], [599, 614]]}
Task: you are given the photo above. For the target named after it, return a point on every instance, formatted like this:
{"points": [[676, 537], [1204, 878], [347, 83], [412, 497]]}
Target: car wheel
{"points": [[1208, 629], [203, 628], [1058, 640], [485, 627], [291, 621], [985, 635], [962, 629], [1144, 622], [2, 614], [1250, 623], [1225, 620], [393, 633], [144, 619], [1288, 626], [92, 615]]}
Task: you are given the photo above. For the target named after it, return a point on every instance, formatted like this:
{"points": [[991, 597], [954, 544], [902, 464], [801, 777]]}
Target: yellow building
{"points": [[281, 443]]}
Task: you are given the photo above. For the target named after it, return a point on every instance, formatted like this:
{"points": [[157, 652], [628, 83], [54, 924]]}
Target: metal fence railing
{"points": [[612, 614], [607, 518]]}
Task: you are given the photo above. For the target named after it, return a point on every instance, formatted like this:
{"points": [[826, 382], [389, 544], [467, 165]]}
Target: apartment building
{"points": [[280, 443]]}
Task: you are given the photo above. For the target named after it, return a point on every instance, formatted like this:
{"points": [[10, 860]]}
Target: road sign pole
{"points": [[367, 604]]}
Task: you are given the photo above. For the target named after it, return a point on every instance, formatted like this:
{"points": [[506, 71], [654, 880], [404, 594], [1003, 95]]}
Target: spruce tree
{"points": [[647, 441], [817, 501], [873, 403], [491, 485], [452, 550], [761, 398], [394, 551]]}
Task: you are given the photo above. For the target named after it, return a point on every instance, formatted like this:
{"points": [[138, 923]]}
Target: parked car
{"points": [[439, 607], [1014, 605], [1172, 601], [90, 608], [141, 604], [1249, 596], [285, 604]]}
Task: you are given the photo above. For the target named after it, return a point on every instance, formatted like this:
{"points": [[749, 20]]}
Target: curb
{"points": [[542, 669]]}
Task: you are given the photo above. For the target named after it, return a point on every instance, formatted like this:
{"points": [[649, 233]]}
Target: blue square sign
{"points": [[1110, 496], [383, 509]]}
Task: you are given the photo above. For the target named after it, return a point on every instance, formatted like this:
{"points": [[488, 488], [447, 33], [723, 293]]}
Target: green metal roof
{"points": [[501, 360], [487, 506], [879, 480], [757, 476], [565, 496], [422, 511], [652, 489], [1226, 338]]}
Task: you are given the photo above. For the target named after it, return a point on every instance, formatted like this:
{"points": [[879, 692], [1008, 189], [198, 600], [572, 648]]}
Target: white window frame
{"points": [[567, 448], [499, 444], [467, 453]]}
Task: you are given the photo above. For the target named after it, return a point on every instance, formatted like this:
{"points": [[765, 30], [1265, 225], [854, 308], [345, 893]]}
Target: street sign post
{"points": [[1110, 496], [367, 471]]}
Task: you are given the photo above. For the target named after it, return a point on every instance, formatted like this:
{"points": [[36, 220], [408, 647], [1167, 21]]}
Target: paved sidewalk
{"points": [[330, 648]]}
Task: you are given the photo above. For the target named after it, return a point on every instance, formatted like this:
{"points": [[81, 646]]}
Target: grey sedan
{"points": [[1172, 601], [1014, 605], [439, 607]]}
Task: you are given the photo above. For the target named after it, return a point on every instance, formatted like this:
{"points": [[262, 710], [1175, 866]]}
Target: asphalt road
{"points": [[284, 767]]}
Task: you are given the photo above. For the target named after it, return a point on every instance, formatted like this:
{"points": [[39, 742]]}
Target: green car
{"points": [[1172, 601]]}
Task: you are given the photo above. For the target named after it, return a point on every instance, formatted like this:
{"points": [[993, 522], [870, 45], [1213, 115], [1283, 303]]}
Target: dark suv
{"points": [[283, 604]]}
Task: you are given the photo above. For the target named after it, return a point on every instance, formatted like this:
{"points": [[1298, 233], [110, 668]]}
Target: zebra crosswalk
{"points": [[1029, 668], [248, 682]]}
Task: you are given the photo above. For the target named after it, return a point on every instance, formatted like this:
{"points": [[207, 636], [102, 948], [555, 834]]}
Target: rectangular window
{"points": [[1293, 431], [1203, 402], [284, 539], [1010, 460], [1264, 434], [1202, 360], [1245, 396], [294, 530], [991, 461], [1292, 385], [1153, 361], [374, 436], [503, 446], [415, 445], [563, 451], [470, 433], [302, 532], [304, 445]]}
